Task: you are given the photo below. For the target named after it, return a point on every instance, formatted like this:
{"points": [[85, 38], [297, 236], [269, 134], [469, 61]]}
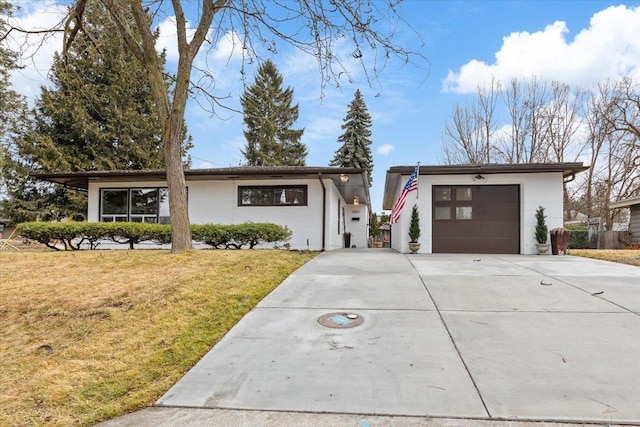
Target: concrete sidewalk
{"points": [[445, 340]]}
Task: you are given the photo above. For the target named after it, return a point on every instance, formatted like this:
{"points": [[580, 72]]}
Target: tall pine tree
{"points": [[97, 114], [13, 109], [269, 118], [355, 151]]}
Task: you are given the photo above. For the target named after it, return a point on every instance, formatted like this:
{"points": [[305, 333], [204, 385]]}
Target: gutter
{"points": [[324, 210]]}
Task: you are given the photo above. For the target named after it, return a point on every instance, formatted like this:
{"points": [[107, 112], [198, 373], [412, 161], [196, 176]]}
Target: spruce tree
{"points": [[12, 113], [355, 151], [96, 114], [269, 118]]}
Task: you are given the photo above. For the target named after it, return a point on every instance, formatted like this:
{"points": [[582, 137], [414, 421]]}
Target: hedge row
{"points": [[73, 235], [579, 239]]}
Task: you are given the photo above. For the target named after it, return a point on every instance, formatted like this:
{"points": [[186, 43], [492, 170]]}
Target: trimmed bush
{"points": [[74, 234], [214, 235], [578, 236]]}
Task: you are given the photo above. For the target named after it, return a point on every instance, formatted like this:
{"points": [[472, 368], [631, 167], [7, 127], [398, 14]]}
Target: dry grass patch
{"points": [[623, 256], [87, 336]]}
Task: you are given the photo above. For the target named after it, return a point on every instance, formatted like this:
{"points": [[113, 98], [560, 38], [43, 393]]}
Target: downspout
{"points": [[569, 178], [324, 210]]}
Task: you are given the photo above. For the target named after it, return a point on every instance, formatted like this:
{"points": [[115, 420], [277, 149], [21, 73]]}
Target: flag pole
{"points": [[418, 181]]}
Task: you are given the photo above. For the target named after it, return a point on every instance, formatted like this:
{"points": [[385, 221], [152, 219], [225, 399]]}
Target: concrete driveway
{"points": [[444, 340]]}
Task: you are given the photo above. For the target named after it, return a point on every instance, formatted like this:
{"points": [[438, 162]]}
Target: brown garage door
{"points": [[476, 219]]}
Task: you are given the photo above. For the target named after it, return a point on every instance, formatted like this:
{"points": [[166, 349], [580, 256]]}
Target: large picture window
{"points": [[150, 205], [288, 195]]}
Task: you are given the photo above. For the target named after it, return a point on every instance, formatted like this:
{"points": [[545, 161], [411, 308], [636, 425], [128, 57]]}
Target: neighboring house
{"points": [[318, 204], [479, 208], [633, 203]]}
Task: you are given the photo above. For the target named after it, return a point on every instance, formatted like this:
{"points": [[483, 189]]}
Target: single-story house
{"points": [[478, 208], [318, 204], [633, 203]]}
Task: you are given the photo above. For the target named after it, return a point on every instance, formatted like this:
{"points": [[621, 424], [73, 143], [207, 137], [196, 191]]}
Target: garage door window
{"points": [[443, 212], [452, 203], [442, 194], [464, 212], [463, 193]]}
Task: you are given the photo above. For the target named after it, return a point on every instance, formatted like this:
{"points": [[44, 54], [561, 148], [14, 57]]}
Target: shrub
{"points": [[541, 226], [74, 234], [238, 235], [578, 239], [414, 225], [214, 235]]}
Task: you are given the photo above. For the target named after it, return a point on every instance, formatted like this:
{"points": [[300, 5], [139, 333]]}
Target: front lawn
{"points": [[88, 336], [623, 256]]}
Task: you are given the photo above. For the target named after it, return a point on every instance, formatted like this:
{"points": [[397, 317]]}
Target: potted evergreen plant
{"points": [[541, 231], [414, 230]]}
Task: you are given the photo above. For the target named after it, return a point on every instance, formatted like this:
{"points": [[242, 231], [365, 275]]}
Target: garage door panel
{"points": [[486, 220]]}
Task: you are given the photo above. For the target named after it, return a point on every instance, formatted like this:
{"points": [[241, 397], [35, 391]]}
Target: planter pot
{"points": [[378, 244], [542, 248], [414, 247]]}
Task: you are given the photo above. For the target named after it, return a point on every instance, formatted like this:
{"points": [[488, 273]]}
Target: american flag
{"points": [[412, 184]]}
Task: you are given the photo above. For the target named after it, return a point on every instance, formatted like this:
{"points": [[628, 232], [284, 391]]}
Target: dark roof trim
{"points": [[357, 185], [395, 173], [80, 180], [566, 169]]}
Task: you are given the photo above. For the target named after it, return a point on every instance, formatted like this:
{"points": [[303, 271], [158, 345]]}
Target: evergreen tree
{"points": [[97, 114], [12, 112], [269, 118], [355, 151]]}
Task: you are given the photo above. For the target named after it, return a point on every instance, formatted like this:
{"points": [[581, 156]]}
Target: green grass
{"points": [[87, 336]]}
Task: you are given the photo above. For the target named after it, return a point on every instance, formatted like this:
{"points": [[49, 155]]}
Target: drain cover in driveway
{"points": [[340, 320]]}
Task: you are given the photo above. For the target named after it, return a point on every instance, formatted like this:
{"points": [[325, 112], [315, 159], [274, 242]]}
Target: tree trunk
{"points": [[178, 208]]}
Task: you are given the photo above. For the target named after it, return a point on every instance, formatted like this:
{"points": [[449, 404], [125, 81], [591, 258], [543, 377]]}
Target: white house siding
{"points": [[217, 202], [536, 189], [358, 224]]}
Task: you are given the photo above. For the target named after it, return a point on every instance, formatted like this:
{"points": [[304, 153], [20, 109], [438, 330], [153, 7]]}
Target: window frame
{"points": [[129, 216], [273, 188], [459, 202]]}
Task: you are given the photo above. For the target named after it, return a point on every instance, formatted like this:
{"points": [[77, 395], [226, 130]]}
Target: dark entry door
{"points": [[476, 219]]}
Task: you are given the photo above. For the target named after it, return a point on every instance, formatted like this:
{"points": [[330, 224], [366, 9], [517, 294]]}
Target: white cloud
{"points": [[167, 39], [385, 149], [608, 48], [229, 47]]}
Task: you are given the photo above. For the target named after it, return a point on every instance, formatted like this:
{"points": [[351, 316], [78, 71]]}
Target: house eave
{"points": [[395, 173], [357, 184], [626, 203]]}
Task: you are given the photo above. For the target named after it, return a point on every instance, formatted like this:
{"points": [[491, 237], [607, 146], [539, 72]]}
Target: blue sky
{"points": [[465, 42]]}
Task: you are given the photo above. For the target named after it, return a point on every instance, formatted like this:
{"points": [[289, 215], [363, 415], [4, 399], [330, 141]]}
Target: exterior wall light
{"points": [[344, 177], [356, 200]]}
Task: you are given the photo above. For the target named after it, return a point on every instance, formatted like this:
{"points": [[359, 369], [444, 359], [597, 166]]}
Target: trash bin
{"points": [[347, 239], [559, 240]]}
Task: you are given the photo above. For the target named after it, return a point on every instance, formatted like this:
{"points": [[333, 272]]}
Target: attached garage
{"points": [[476, 218], [478, 208]]}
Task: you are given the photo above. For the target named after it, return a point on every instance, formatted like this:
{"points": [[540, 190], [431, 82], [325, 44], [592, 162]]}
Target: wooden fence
{"points": [[609, 239]]}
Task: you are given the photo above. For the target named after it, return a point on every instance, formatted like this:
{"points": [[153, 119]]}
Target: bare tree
{"points": [[511, 148], [314, 26], [469, 136], [461, 143], [612, 119], [561, 120]]}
